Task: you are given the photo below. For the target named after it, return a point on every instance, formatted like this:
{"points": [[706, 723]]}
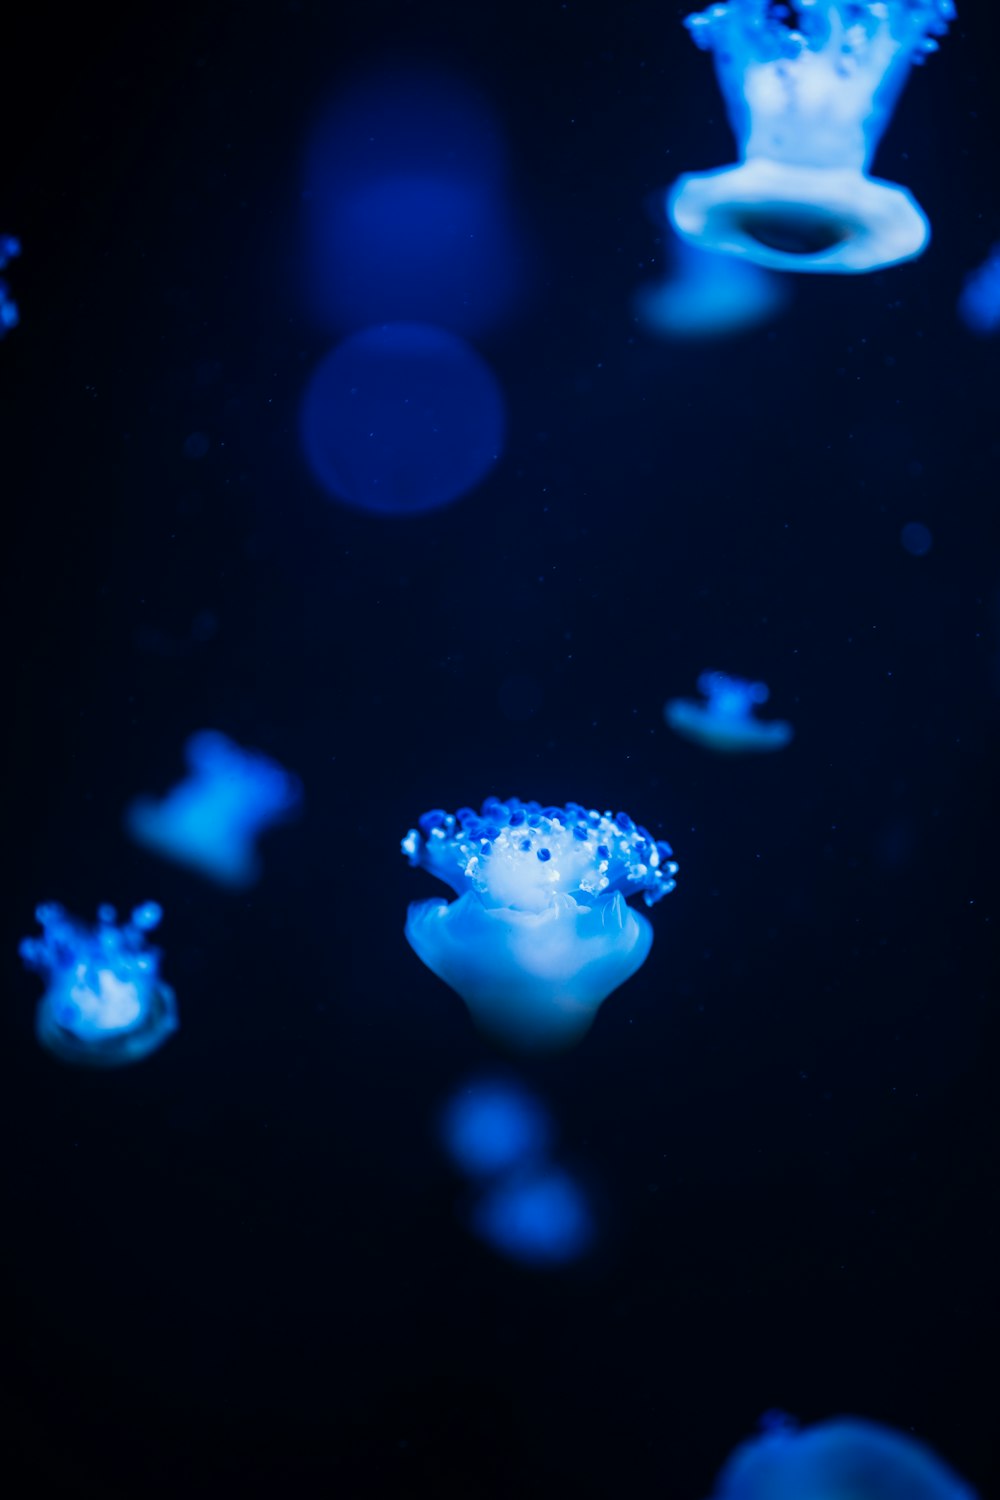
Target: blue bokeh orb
{"points": [[916, 539]]}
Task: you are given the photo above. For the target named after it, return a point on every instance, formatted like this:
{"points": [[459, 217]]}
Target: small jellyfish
{"points": [[541, 932], [846, 1458], [979, 301], [540, 1217], [726, 722], [707, 296], [210, 821], [810, 86], [492, 1126], [105, 1004], [9, 316]]}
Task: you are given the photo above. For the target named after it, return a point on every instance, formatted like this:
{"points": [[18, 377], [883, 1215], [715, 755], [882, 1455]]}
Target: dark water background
{"points": [[237, 1267]]}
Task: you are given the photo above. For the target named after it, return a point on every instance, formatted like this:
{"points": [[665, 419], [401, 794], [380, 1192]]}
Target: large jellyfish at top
{"points": [[210, 821], [105, 1004], [541, 933], [9, 317], [810, 86], [726, 722], [846, 1458]]}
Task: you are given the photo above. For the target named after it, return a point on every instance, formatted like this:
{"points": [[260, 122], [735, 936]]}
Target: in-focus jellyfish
{"points": [[707, 295], [541, 932], [492, 1125], [846, 1458], [9, 317], [726, 722], [540, 1217], [979, 302], [211, 820], [105, 1004], [810, 86], [402, 419]]}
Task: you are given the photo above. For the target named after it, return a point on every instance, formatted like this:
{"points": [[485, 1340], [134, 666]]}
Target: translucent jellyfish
{"points": [[726, 722], [210, 821], [9, 317], [540, 1217], [707, 295], [846, 1458], [105, 1004], [979, 302], [492, 1126], [810, 86], [916, 538], [541, 933]]}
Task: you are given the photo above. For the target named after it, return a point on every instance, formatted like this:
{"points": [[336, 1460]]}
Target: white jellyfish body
{"points": [[726, 721], [809, 87], [541, 932]]}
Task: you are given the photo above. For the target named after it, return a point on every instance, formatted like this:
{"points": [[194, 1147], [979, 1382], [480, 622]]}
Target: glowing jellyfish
{"points": [[105, 1004], [916, 538], [846, 1458], [809, 86], [492, 1126], [540, 1217], [709, 296], [9, 317], [402, 419], [726, 721], [541, 933], [210, 821], [979, 303]]}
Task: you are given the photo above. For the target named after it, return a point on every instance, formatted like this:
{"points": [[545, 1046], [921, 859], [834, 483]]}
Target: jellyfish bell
{"points": [[809, 87], [726, 722], [541, 932]]}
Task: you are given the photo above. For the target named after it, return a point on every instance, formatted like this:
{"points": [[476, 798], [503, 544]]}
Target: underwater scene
{"points": [[414, 418]]}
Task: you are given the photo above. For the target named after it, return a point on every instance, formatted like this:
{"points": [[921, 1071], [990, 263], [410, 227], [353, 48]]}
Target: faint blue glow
{"points": [[916, 538], [707, 295], [211, 821], [105, 1004], [407, 213], [979, 301], [727, 722], [491, 1126], [540, 1217], [541, 933], [846, 1458], [196, 445], [402, 419], [809, 87], [9, 316]]}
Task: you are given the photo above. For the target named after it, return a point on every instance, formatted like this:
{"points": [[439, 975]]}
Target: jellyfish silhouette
{"points": [[9, 316], [541, 932], [810, 86], [846, 1458], [726, 721], [491, 1125], [105, 1004], [539, 1216], [210, 821]]}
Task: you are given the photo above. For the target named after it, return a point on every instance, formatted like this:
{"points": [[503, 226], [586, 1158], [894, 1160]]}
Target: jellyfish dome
{"points": [[726, 721], [105, 1004], [541, 932], [810, 86], [846, 1458], [210, 821], [9, 317]]}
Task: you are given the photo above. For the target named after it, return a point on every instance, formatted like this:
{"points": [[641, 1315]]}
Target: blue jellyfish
{"points": [[9, 317], [492, 1126], [846, 1458], [541, 933], [726, 722], [105, 1004], [210, 821], [979, 302], [708, 295], [916, 538], [810, 86], [539, 1216]]}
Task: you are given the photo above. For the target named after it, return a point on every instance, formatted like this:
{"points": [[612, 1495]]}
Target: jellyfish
{"points": [[9, 316], [541, 932], [979, 302], [708, 295], [539, 1216], [490, 1126], [210, 821], [726, 722], [810, 86], [105, 1004], [846, 1458]]}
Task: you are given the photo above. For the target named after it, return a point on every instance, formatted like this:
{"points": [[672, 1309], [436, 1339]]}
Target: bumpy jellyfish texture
{"points": [[709, 296], [979, 303], [402, 419], [9, 317], [540, 1217], [493, 1126], [726, 721], [210, 821], [846, 1458], [105, 1004], [809, 87], [541, 933]]}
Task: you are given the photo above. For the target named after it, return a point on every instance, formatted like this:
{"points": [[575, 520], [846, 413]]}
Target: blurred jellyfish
{"points": [[210, 821], [539, 1216], [846, 1458], [709, 296], [916, 538], [9, 316], [541, 933], [402, 419], [979, 302], [810, 86], [726, 722], [105, 1004], [492, 1126]]}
